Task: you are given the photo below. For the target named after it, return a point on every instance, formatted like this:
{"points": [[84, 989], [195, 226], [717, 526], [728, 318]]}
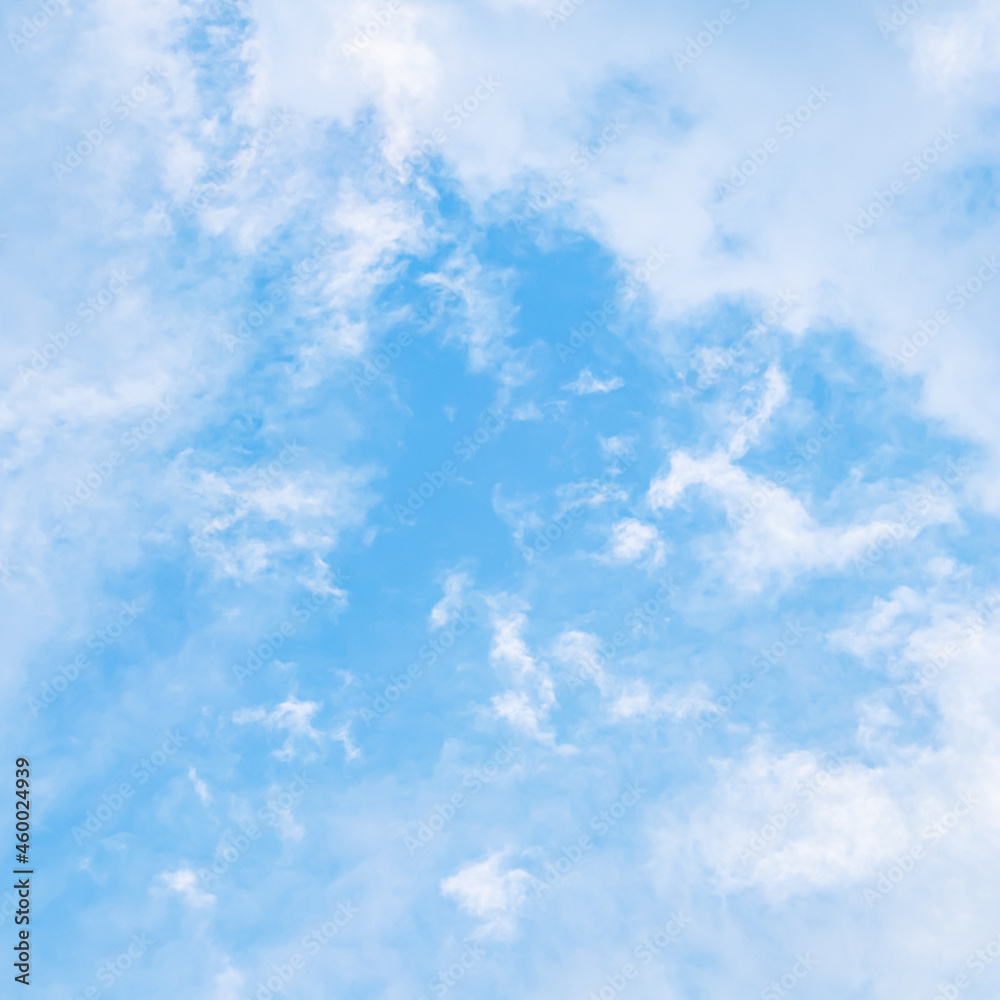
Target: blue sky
{"points": [[501, 499]]}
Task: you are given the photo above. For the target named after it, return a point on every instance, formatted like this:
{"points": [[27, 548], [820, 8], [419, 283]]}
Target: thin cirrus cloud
{"points": [[587, 384]]}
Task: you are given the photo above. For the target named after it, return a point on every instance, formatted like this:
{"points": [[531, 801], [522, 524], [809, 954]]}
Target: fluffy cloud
{"points": [[631, 540], [486, 891]]}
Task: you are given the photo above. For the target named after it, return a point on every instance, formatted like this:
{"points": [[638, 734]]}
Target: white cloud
{"points": [[524, 714], [532, 695], [527, 411], [774, 395], [485, 891], [586, 383], [772, 531], [320, 580], [845, 823], [659, 183], [636, 701], [258, 520], [455, 586], [631, 540], [955, 47], [616, 446], [579, 653], [199, 786], [343, 735], [625, 699], [792, 824], [528, 524], [185, 883], [292, 715], [888, 626], [228, 984], [488, 317]]}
